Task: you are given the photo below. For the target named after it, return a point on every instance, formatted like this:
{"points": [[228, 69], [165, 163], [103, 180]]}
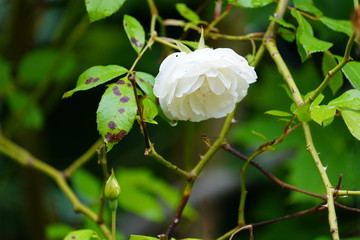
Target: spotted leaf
{"points": [[116, 112], [135, 32], [95, 76]]}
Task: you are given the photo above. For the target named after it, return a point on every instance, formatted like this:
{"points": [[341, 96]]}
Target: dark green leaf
{"points": [[278, 113], [352, 73], [84, 234], [323, 115], [135, 32], [146, 83], [37, 65], [343, 26], [95, 76], [187, 13], [99, 9], [352, 121], [307, 6], [303, 28], [250, 3], [91, 191], [282, 22], [328, 63], [349, 99], [116, 112]]}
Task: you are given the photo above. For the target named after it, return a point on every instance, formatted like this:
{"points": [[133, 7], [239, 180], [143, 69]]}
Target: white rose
{"points": [[203, 84]]}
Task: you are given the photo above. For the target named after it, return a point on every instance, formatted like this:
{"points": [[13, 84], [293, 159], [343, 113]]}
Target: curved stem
{"points": [[25, 159]]}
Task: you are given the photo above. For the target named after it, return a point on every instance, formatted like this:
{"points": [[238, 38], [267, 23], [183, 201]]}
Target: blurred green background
{"points": [[46, 44]]}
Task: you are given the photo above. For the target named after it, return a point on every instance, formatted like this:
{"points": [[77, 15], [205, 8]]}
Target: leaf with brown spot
{"points": [[95, 76], [116, 113], [135, 32]]}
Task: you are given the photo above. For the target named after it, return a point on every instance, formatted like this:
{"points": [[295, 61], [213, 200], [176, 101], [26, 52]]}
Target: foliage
{"points": [[305, 108]]}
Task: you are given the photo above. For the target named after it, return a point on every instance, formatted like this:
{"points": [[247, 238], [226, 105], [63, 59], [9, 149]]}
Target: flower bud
{"points": [[112, 187]]}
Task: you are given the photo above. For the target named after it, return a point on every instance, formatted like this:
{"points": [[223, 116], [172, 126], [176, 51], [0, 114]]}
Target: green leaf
{"points": [[146, 83], [303, 113], [349, 99], [187, 13], [57, 231], [91, 191], [84, 234], [135, 32], [305, 37], [282, 22], [250, 3], [145, 195], [352, 121], [95, 76], [278, 113], [317, 100], [141, 237], [352, 72], [323, 115], [99, 9], [150, 110], [37, 65], [343, 26], [328, 63], [116, 112], [307, 6], [311, 44]]}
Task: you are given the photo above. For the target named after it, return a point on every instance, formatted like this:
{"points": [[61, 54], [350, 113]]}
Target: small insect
{"points": [[206, 140]]}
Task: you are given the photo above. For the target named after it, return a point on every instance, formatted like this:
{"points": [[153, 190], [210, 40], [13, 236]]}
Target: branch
{"points": [[25, 159]]}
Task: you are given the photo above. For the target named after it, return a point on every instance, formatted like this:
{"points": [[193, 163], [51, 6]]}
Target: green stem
{"points": [[347, 192], [25, 159], [333, 71], [69, 171], [241, 216], [152, 153], [218, 144], [113, 224], [166, 41], [325, 179]]}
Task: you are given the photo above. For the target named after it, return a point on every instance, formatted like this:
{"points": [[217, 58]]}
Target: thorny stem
{"points": [[269, 40], [140, 110], [25, 159]]}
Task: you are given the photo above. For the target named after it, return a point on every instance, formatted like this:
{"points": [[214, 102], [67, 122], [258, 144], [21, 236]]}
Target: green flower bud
{"points": [[112, 187]]}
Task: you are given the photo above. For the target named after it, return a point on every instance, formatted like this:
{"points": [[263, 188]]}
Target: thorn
{"points": [[325, 168], [234, 121], [325, 205]]}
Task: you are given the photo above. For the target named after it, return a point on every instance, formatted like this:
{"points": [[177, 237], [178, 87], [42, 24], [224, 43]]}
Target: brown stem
{"points": [[142, 123]]}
